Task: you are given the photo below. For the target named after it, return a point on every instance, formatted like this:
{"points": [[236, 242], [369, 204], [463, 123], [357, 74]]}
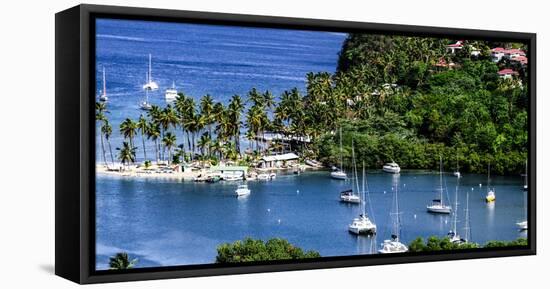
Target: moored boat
{"points": [[150, 84], [438, 205], [392, 168], [242, 190]]}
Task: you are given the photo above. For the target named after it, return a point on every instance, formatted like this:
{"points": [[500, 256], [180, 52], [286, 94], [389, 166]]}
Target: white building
{"points": [[278, 161], [455, 46]]}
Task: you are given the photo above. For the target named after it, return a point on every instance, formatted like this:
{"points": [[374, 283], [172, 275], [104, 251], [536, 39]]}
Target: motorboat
{"points": [[522, 225], [242, 190], [171, 94], [392, 168]]}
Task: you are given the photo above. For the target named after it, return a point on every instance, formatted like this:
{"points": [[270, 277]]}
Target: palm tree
{"points": [[169, 141], [143, 125], [121, 261], [128, 129], [127, 154], [100, 108], [207, 111], [204, 144], [107, 130], [235, 110], [153, 132]]}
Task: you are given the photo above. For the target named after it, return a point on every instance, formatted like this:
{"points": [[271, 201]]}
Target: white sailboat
{"points": [[242, 190], [457, 172], [522, 226], [467, 229], [491, 194], [362, 224], [103, 96], [145, 105], [438, 205], [150, 84], [172, 93], [453, 235], [393, 245], [339, 174]]}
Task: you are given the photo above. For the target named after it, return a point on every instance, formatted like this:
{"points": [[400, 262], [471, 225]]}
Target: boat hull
{"points": [[439, 209], [338, 175], [391, 170]]}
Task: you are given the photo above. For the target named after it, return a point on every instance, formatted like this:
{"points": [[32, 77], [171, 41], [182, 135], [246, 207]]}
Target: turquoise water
{"points": [[166, 222]]}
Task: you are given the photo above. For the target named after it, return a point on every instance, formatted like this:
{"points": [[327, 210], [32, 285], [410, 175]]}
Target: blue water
{"points": [[203, 59], [169, 222]]}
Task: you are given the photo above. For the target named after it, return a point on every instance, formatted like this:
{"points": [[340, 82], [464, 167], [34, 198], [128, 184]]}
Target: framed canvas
{"points": [[195, 144]]}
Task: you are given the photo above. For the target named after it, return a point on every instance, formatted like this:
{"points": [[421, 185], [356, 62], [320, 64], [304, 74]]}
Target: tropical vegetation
{"points": [[249, 250], [435, 243], [121, 261]]}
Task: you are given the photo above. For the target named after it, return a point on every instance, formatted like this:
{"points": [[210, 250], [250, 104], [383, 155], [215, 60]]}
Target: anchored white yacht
{"points": [[339, 173], [103, 96], [242, 190], [438, 205], [392, 167], [171, 94], [393, 245], [362, 224]]}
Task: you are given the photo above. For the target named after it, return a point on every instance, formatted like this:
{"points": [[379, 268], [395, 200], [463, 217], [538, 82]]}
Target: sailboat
{"points": [[525, 187], [394, 245], [339, 173], [491, 195], [522, 226], [438, 205], [457, 172], [362, 224], [150, 84], [348, 196], [453, 234], [172, 93], [145, 105], [103, 96]]}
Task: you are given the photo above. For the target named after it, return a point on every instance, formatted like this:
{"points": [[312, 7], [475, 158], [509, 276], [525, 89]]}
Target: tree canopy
{"points": [[249, 250]]}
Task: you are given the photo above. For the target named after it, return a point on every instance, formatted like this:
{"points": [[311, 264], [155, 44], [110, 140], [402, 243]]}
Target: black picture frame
{"points": [[75, 146]]}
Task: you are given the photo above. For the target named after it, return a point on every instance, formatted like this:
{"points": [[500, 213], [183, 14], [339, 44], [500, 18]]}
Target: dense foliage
{"points": [[390, 95], [437, 244], [257, 250]]}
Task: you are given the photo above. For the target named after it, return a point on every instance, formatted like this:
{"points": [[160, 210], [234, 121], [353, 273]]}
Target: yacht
{"points": [[103, 96], [522, 225], [145, 105], [491, 194], [392, 167], [171, 94], [231, 177], [453, 234], [393, 245], [362, 224], [150, 84], [348, 196], [339, 173], [242, 190], [438, 205]]}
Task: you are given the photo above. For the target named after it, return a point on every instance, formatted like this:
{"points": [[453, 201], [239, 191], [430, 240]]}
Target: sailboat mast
{"points": [[455, 217], [526, 172], [104, 85], [341, 158], [441, 180], [363, 201], [149, 79], [396, 221], [489, 177]]}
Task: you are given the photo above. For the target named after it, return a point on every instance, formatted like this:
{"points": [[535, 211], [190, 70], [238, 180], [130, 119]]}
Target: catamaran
{"points": [[491, 195], [103, 96], [438, 205], [394, 245], [362, 224], [171, 93], [150, 84], [339, 173]]}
